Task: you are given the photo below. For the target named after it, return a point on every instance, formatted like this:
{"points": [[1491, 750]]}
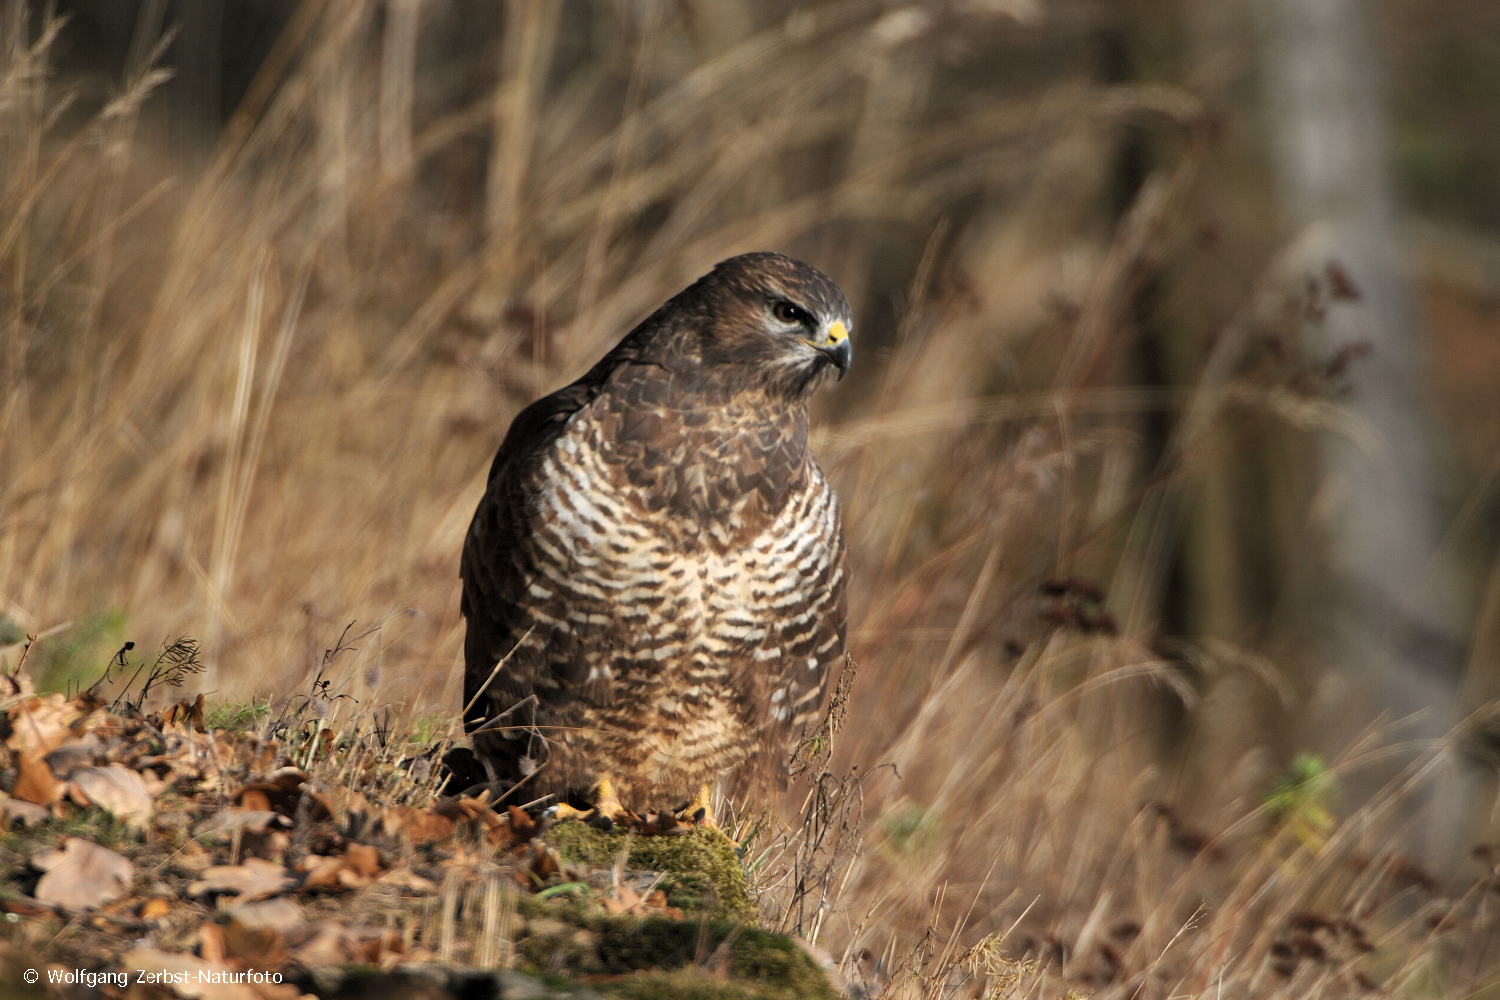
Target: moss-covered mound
{"points": [[701, 870]]}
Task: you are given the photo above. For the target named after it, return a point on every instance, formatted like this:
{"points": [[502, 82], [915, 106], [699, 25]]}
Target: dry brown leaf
{"points": [[154, 908], [154, 786], [211, 942], [281, 913], [357, 807], [522, 826], [187, 713], [378, 946], [73, 754], [332, 943], [223, 824], [545, 862], [118, 790], [351, 879], [40, 724], [322, 872], [258, 947], [35, 782], [289, 777], [82, 875], [463, 809], [255, 801], [338, 872], [325, 943], [363, 859], [626, 900], [25, 907], [255, 879], [29, 813], [404, 878], [15, 687], [417, 826]]}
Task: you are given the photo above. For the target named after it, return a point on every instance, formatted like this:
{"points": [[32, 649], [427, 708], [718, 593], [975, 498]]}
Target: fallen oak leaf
{"points": [[73, 754], [281, 913], [40, 724], [82, 875], [187, 713], [35, 782], [282, 790], [417, 827], [226, 822], [118, 791], [253, 947], [254, 800], [363, 859], [29, 813], [522, 826], [321, 872], [324, 943], [255, 879], [355, 869], [333, 943]]}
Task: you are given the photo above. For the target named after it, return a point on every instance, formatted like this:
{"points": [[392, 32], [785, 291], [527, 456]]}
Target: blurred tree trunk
{"points": [[1387, 630]]}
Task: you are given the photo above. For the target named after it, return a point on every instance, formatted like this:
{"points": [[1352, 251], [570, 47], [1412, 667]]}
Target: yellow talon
{"points": [[701, 809], [606, 802]]}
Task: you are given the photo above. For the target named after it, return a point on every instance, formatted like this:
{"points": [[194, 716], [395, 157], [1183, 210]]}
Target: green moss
{"points": [[776, 965], [687, 984], [666, 957], [794, 979], [584, 938], [702, 869]]}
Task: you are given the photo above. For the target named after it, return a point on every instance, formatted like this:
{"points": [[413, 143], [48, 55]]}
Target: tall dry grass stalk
{"points": [[257, 401]]}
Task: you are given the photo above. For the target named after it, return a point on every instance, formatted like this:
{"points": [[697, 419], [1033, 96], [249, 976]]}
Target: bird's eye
{"points": [[790, 314]]}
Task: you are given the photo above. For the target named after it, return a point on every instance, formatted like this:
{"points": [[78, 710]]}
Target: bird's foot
{"points": [[563, 811], [700, 811], [606, 813]]}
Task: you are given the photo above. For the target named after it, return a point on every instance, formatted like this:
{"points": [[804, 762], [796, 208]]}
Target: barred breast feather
{"points": [[659, 563]]}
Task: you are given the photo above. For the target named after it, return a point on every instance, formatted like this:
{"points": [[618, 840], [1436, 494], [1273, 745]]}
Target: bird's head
{"points": [[772, 321]]}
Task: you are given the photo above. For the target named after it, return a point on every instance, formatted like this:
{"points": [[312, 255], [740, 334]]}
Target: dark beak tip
{"points": [[841, 355]]}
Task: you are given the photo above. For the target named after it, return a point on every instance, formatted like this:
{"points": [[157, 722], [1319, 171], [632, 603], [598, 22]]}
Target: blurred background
{"points": [[1169, 454]]}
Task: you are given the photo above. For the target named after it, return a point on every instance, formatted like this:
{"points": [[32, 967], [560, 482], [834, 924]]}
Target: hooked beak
{"points": [[837, 347]]}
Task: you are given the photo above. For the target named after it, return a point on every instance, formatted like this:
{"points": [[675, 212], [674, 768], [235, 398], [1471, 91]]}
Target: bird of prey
{"points": [[654, 579]]}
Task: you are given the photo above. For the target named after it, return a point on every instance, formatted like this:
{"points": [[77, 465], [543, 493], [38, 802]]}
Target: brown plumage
{"points": [[658, 553]]}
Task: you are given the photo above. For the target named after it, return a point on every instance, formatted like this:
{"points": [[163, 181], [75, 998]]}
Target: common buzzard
{"points": [[654, 579]]}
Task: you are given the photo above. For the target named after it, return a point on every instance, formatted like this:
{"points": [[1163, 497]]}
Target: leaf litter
{"points": [[299, 844]]}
